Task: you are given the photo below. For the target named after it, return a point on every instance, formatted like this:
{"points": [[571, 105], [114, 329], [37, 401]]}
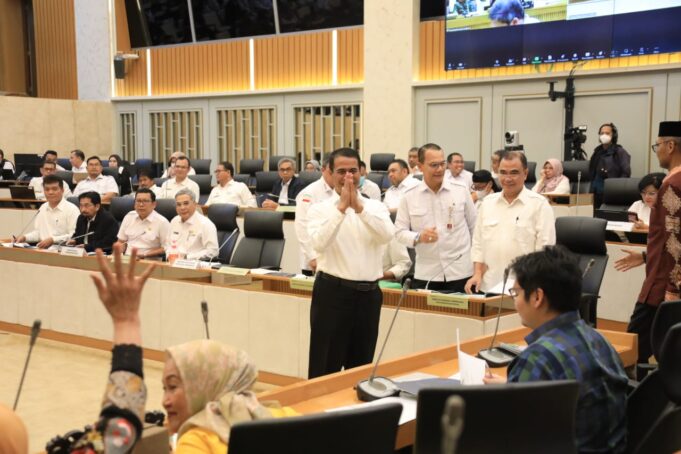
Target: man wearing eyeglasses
{"points": [[663, 252], [95, 228], [437, 218], [144, 229], [286, 188], [349, 233], [228, 190], [511, 223], [180, 180], [455, 170]]}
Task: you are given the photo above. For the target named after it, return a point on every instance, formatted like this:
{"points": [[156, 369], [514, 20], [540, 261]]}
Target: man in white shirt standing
{"points": [[192, 235], [47, 168], [180, 181], [437, 218], [511, 223], [229, 190], [315, 192], [170, 171], [349, 234], [144, 229], [56, 219], [366, 186], [104, 185], [456, 172], [402, 181], [77, 159]]}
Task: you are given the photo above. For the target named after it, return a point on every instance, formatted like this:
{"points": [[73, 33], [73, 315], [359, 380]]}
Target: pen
{"points": [[488, 373]]}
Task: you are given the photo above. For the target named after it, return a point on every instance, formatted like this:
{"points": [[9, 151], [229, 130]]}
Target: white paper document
{"points": [[471, 369], [620, 226], [408, 407], [497, 289]]}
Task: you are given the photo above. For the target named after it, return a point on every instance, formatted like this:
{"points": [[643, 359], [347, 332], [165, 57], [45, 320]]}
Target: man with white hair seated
{"points": [[192, 235], [286, 188]]}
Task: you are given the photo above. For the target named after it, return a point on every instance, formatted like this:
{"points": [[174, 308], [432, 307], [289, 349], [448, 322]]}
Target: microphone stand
{"points": [[496, 357], [204, 312], [35, 330], [444, 270], [225, 241], [379, 387]]}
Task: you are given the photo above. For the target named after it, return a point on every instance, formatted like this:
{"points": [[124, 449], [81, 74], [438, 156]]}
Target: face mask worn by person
{"points": [[605, 139], [481, 194]]}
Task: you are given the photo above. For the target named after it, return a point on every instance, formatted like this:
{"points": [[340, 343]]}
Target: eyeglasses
{"points": [[286, 169], [457, 162], [343, 172], [437, 165], [478, 186], [513, 292], [656, 146], [216, 171], [512, 173], [142, 202], [86, 205], [181, 167]]}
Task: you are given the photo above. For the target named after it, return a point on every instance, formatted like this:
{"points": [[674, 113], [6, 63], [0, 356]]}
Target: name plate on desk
{"points": [[124, 258], [72, 251], [453, 301], [186, 264], [286, 208], [234, 270], [302, 283]]}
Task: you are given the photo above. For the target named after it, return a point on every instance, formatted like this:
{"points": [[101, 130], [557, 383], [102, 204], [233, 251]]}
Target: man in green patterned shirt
{"points": [[546, 294]]}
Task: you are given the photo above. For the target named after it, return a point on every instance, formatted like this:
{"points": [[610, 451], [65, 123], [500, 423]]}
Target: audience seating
{"points": [[65, 163], [249, 167], [585, 237], [204, 182], [74, 200], [309, 177], [572, 170], [376, 177], [667, 315], [242, 178], [379, 162], [223, 215], [548, 408], [120, 206], [618, 195], [263, 242], [469, 165], [263, 185], [370, 430], [166, 208], [531, 175], [159, 181], [109, 171], [201, 166], [67, 176], [274, 162]]}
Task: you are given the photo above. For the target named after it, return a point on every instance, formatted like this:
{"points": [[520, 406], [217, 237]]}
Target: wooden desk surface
{"points": [[336, 390]]}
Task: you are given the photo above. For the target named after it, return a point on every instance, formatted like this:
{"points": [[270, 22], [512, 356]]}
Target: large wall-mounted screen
{"points": [[502, 33]]}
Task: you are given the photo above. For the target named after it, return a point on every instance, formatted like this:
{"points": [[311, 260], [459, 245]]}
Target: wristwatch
{"points": [[416, 239]]}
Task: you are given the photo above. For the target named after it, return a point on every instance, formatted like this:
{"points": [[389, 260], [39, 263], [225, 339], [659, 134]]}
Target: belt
{"points": [[361, 286]]}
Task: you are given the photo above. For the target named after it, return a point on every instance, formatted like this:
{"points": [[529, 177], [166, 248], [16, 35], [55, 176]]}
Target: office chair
{"points": [[578, 170], [531, 174], [273, 163], [242, 178], [159, 181], [166, 208], [369, 430], [223, 215], [379, 162], [667, 315], [376, 177], [264, 181], [309, 177], [204, 181], [74, 200], [263, 242], [585, 237], [201, 166], [547, 407], [67, 176], [65, 163], [120, 206], [109, 171], [250, 166], [469, 165], [618, 195]]}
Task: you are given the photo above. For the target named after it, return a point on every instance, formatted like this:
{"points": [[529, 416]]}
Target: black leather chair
{"points": [[166, 208], [547, 407], [205, 186], [585, 237], [578, 171], [469, 165], [74, 200], [369, 430], [67, 176], [667, 315], [531, 174], [250, 166], [376, 177], [242, 178], [223, 215], [309, 177], [159, 181], [618, 195], [201, 166], [273, 163], [380, 162], [65, 163], [120, 206], [263, 242], [264, 181], [109, 171]]}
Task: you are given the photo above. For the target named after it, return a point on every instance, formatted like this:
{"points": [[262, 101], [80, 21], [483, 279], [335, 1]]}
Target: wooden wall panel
{"points": [[432, 63], [12, 48], [302, 60], [350, 56], [55, 48], [135, 82], [122, 35], [201, 68]]}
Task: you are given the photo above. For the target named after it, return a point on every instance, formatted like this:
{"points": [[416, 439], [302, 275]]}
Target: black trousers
{"points": [[451, 286], [343, 325], [641, 323]]}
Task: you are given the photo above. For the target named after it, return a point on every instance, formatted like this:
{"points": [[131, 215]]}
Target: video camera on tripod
{"points": [[576, 137]]}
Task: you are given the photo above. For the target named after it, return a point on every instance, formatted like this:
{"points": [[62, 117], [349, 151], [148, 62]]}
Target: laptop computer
{"points": [[22, 192]]}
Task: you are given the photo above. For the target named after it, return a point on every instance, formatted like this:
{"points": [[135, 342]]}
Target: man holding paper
{"points": [[546, 294]]}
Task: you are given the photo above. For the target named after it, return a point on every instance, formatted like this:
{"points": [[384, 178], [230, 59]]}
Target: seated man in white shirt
{"points": [[103, 185], [229, 190], [47, 168], [56, 219], [144, 229], [192, 235], [456, 172], [180, 181], [77, 159], [52, 156], [398, 173], [170, 171], [145, 181], [366, 186], [413, 158]]}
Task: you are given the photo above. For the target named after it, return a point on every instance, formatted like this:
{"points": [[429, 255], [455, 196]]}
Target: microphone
{"points": [[379, 387], [35, 330], [64, 241], [443, 270], [30, 221], [452, 423], [225, 241], [496, 357], [204, 312], [579, 180]]}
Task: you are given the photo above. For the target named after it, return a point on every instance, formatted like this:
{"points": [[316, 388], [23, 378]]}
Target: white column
{"points": [[391, 41], [93, 49]]}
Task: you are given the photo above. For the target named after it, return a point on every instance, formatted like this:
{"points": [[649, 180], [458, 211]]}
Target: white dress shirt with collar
{"points": [[315, 192], [172, 187], [196, 237], [350, 245], [396, 259], [505, 231], [371, 189], [283, 194], [58, 222], [233, 192], [143, 234], [155, 189], [81, 169], [103, 184], [190, 172], [465, 178], [394, 194], [37, 184], [452, 212]]}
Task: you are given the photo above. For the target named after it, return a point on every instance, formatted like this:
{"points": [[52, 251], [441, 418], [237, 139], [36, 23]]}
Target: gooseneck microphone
{"points": [[204, 312], [378, 387], [35, 330], [30, 221], [579, 181], [64, 241], [225, 241], [496, 357], [444, 270], [589, 265]]}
